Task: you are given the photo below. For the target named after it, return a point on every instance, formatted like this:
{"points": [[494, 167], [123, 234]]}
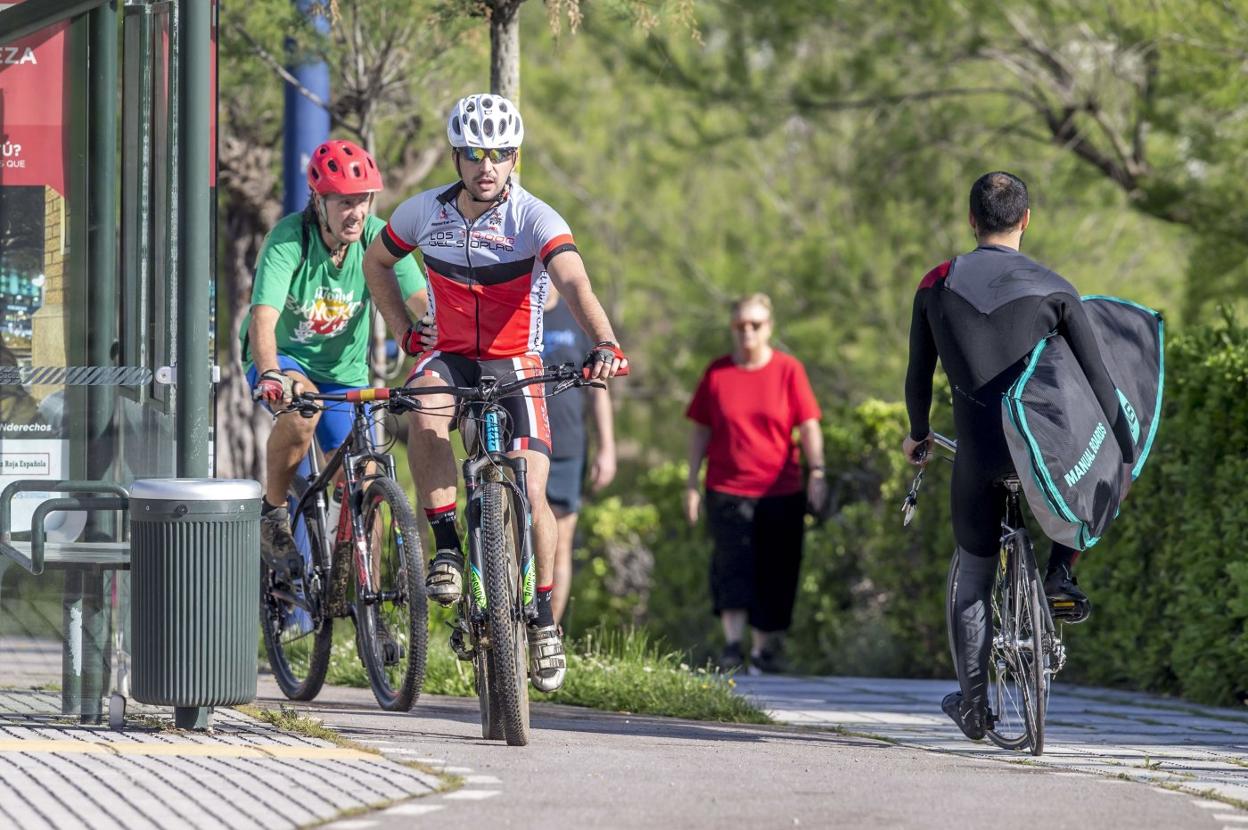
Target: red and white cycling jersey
{"points": [[487, 279]]}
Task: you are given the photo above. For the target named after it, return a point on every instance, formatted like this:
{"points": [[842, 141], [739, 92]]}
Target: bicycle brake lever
{"points": [[911, 501]]}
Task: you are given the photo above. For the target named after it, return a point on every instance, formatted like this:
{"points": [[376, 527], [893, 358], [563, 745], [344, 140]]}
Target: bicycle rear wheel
{"points": [[297, 641], [1017, 658], [393, 628], [508, 652]]}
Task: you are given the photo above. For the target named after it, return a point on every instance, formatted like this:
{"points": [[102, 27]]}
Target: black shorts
{"points": [[563, 485], [530, 425], [757, 557]]}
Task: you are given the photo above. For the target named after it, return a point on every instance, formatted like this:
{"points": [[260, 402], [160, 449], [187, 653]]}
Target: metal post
{"points": [[307, 124], [95, 670], [101, 245], [71, 651], [194, 236]]}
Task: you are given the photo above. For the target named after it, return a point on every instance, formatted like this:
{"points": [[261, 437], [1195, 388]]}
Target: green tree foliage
{"points": [[1146, 96]]}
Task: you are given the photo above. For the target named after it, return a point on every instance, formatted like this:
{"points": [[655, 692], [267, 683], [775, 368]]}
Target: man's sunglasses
{"points": [[498, 155]]}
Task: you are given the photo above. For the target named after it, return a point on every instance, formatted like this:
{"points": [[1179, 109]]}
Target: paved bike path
{"points": [[589, 769], [1146, 738]]}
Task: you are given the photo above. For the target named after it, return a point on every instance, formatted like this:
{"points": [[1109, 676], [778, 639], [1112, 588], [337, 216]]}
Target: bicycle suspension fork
{"points": [[485, 467]]}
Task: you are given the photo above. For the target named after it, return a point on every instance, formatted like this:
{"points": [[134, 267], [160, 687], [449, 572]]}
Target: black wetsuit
{"points": [[981, 314]]}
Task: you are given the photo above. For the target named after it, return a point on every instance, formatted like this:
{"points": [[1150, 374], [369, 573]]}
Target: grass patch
{"points": [[288, 719], [618, 671], [628, 671]]}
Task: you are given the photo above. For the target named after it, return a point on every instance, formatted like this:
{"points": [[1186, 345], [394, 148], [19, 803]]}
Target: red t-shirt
{"points": [[752, 414]]}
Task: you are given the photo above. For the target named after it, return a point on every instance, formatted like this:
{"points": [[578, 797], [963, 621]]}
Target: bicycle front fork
{"points": [[474, 468]]}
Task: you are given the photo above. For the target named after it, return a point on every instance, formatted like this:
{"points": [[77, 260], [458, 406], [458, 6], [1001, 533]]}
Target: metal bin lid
{"points": [[195, 489]]}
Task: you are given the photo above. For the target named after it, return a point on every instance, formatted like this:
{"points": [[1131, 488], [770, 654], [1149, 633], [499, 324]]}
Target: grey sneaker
{"points": [[445, 582], [277, 545], [547, 661]]}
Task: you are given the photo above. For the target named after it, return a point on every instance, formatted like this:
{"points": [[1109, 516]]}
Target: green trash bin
{"points": [[194, 579]]}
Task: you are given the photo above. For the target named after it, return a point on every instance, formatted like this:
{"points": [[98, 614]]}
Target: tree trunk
{"points": [[249, 210], [505, 49]]}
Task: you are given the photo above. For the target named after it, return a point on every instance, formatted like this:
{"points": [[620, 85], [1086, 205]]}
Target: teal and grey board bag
{"points": [[1061, 442]]}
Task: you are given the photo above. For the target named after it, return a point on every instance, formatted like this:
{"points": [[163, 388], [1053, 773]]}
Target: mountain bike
{"points": [[1027, 649], [499, 599], [365, 563]]}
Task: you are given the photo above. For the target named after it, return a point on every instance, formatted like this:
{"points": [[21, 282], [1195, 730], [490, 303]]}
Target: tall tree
{"points": [[1146, 96], [394, 66]]}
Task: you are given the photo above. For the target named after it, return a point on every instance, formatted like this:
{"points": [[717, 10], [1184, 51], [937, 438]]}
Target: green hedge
{"points": [[1169, 583]]}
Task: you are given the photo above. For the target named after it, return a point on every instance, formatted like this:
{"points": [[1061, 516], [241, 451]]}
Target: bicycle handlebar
{"points": [[566, 375]]}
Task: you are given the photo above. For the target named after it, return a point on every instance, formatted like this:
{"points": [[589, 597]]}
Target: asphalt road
{"points": [[592, 769]]}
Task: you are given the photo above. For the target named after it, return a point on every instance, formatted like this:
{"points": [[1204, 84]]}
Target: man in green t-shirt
{"points": [[310, 322]]}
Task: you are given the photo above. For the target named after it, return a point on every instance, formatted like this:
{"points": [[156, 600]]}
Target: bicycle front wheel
{"points": [[392, 616], [508, 653], [298, 641]]}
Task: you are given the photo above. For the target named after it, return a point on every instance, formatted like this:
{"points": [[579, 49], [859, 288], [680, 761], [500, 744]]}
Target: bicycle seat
{"points": [[1010, 482]]}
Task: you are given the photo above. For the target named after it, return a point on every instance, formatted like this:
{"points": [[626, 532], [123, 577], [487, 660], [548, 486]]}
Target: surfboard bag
{"points": [[1062, 445]]}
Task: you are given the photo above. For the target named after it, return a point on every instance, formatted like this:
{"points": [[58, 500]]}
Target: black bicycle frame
{"points": [[353, 496]]}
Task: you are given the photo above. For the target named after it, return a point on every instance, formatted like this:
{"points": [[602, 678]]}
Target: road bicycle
{"points": [[499, 594], [1027, 649], [361, 560]]}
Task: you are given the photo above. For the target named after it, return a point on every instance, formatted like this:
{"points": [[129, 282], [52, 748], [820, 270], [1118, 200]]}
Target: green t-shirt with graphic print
{"points": [[326, 311]]}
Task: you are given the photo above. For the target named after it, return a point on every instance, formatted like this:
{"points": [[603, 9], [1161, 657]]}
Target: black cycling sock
{"points": [[973, 622], [1061, 556], [445, 531], [265, 507], [545, 612]]}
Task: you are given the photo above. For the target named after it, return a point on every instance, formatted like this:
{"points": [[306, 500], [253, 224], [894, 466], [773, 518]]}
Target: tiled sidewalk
{"points": [[56, 773], [1201, 749]]}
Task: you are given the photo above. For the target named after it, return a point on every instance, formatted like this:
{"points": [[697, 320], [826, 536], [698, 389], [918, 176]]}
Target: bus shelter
{"points": [[107, 182]]}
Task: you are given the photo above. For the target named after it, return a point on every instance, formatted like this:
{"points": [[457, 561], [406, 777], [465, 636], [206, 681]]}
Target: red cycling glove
{"points": [[273, 386], [604, 351]]}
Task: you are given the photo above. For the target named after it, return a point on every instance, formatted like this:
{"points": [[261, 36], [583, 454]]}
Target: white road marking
{"points": [[434, 761], [352, 825], [1228, 817], [481, 779], [457, 770], [413, 809], [471, 795], [1210, 805]]}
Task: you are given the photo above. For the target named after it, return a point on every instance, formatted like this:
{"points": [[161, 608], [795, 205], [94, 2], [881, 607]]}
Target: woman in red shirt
{"points": [[744, 412]]}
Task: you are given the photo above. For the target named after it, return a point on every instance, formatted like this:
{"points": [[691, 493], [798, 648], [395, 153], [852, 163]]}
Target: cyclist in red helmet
{"points": [[309, 325]]}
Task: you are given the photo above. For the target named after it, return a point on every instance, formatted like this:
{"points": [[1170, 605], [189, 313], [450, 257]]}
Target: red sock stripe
{"points": [[438, 511], [542, 589]]}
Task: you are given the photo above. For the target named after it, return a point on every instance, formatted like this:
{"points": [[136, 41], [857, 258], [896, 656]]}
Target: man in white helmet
{"points": [[491, 249]]}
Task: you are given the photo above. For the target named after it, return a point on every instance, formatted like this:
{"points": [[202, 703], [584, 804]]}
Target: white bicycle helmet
{"points": [[486, 121]]}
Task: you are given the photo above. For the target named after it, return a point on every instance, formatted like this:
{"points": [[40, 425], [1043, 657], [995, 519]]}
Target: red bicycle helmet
{"points": [[342, 167]]}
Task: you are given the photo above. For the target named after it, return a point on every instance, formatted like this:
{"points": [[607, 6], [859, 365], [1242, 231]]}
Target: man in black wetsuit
{"points": [[981, 313]]}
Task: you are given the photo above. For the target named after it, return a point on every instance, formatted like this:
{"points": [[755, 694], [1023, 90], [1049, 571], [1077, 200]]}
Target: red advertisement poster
{"points": [[32, 109]]}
